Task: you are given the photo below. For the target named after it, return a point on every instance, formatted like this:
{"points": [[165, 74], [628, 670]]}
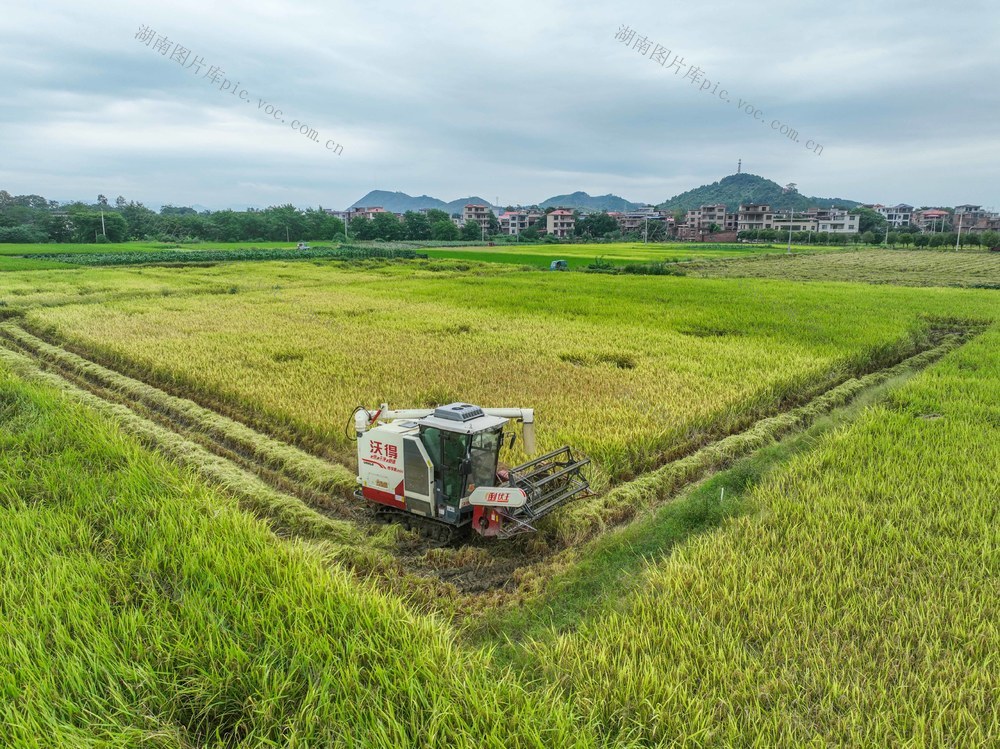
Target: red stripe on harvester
{"points": [[383, 498]]}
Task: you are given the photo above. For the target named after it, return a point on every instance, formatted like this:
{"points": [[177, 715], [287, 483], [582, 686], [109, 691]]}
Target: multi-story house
{"points": [[834, 220], [478, 213], [635, 222], [931, 219], [754, 216], [967, 216], [560, 223], [368, 213], [513, 222], [897, 215], [698, 222], [792, 221]]}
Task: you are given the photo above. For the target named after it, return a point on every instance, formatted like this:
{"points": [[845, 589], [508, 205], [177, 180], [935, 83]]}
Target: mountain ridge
{"points": [[401, 202]]}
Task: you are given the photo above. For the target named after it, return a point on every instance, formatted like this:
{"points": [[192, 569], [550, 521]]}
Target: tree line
{"points": [[32, 218]]}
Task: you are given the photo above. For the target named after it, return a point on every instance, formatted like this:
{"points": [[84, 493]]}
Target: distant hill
{"points": [[731, 190], [749, 188], [585, 202], [400, 202]]}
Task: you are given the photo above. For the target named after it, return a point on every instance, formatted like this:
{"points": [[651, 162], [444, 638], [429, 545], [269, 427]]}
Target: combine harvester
{"points": [[437, 471]]}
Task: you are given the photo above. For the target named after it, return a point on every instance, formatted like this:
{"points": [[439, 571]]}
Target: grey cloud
{"points": [[520, 100]]}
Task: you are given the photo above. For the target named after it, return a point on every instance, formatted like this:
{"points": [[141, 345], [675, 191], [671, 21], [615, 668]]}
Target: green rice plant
{"points": [[143, 609], [288, 513], [143, 257], [856, 607]]}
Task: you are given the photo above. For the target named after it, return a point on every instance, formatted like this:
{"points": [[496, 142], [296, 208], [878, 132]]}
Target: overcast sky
{"points": [[516, 100]]}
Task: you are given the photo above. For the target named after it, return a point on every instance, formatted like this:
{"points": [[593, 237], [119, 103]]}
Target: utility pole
{"points": [[791, 215], [959, 237], [886, 242], [790, 188], [645, 230], [105, 233]]}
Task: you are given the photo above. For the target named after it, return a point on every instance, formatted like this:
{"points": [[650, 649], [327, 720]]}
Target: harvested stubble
{"points": [[898, 267]]}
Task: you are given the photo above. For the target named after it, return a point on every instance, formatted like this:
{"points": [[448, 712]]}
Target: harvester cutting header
{"points": [[438, 470]]}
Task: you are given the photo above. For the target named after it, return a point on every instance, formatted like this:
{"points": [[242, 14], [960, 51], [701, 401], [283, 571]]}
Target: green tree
{"points": [[387, 227], [444, 231], [285, 223], [361, 227], [59, 227], [23, 234], [87, 226], [170, 210], [416, 225], [869, 220], [493, 224], [472, 231], [597, 225], [140, 220], [434, 215], [320, 225]]}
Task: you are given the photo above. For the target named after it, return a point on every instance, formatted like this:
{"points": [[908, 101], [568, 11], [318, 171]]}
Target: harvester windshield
{"points": [[463, 461], [485, 450]]}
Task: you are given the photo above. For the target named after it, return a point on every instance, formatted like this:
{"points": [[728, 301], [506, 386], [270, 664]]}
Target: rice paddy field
{"points": [[21, 256], [616, 253], [792, 539], [897, 267]]}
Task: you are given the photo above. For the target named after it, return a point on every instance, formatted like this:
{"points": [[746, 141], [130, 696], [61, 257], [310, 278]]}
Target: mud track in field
{"points": [[474, 567]]}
